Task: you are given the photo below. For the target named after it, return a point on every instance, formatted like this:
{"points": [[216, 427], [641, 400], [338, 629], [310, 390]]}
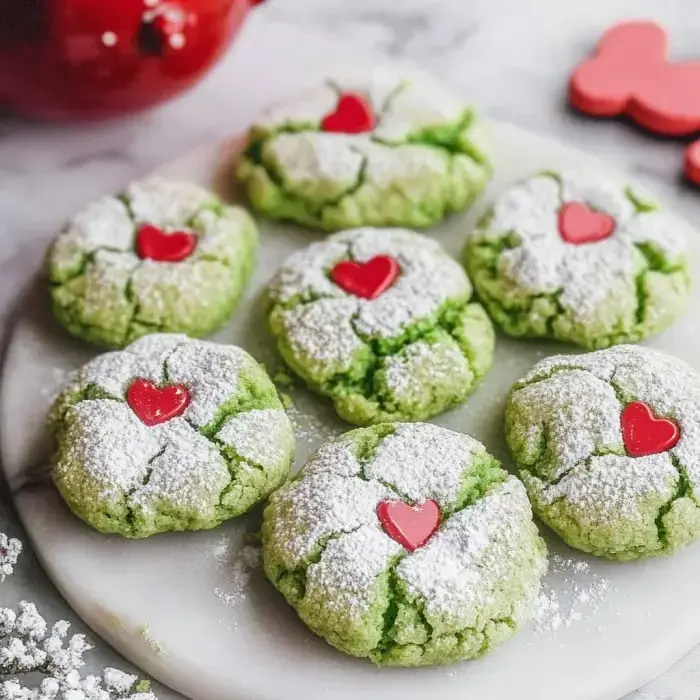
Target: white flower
{"points": [[29, 646], [10, 549]]}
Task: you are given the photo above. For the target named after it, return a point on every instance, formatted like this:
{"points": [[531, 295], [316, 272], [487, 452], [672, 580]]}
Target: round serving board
{"points": [[187, 608]]}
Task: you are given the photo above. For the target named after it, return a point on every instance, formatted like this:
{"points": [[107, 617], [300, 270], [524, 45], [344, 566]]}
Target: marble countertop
{"points": [[509, 57]]}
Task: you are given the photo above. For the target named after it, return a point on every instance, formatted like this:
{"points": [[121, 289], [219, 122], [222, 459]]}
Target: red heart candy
{"points": [[154, 244], [630, 74], [644, 434], [410, 526], [367, 280], [352, 115], [153, 404], [579, 224]]}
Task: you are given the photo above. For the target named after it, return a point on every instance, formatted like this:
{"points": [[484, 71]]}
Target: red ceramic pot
{"points": [[83, 59]]}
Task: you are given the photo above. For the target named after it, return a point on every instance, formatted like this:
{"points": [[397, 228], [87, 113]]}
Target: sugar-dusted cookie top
{"points": [[376, 148], [169, 434], [411, 518], [164, 255], [578, 257], [609, 448], [380, 321]]}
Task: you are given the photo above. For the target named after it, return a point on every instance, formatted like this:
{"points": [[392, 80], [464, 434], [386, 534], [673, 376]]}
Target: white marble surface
{"points": [[508, 56]]}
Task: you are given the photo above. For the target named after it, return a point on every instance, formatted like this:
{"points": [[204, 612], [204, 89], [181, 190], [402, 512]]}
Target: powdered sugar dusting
{"points": [[585, 275], [420, 104], [104, 224], [405, 373], [239, 572], [320, 505], [424, 461], [114, 455], [188, 471], [310, 158], [322, 332], [579, 595], [580, 414], [98, 248], [457, 573], [165, 202], [396, 159], [327, 330], [113, 372], [346, 573], [249, 435], [411, 165], [211, 373], [466, 563], [573, 413], [111, 443], [613, 487]]}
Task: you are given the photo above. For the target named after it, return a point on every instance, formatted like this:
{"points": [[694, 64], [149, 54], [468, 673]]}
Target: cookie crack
{"points": [[300, 571], [394, 596], [254, 156], [683, 489], [88, 261]]}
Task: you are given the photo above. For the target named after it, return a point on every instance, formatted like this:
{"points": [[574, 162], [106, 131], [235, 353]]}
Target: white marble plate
{"points": [[179, 605]]}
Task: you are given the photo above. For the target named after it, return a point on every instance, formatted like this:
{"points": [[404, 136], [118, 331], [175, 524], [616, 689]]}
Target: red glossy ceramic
{"points": [[68, 59]]}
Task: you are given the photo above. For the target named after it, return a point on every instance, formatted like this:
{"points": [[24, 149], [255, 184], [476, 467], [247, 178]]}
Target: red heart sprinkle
{"points": [[644, 434], [153, 404], [410, 526], [580, 224], [154, 244], [367, 280], [631, 74], [352, 115]]}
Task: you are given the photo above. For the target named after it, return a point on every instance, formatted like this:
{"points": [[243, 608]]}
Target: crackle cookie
{"points": [[162, 256], [577, 258], [407, 544], [381, 150], [380, 321], [608, 444], [168, 434]]}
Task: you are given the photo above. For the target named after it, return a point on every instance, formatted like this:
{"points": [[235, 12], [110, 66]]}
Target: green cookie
{"points": [[169, 434], [381, 150], [580, 259], [609, 450], [164, 256], [406, 544], [413, 350]]}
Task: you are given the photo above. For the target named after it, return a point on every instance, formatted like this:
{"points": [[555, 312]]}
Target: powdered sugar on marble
{"points": [[239, 570], [582, 595]]}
